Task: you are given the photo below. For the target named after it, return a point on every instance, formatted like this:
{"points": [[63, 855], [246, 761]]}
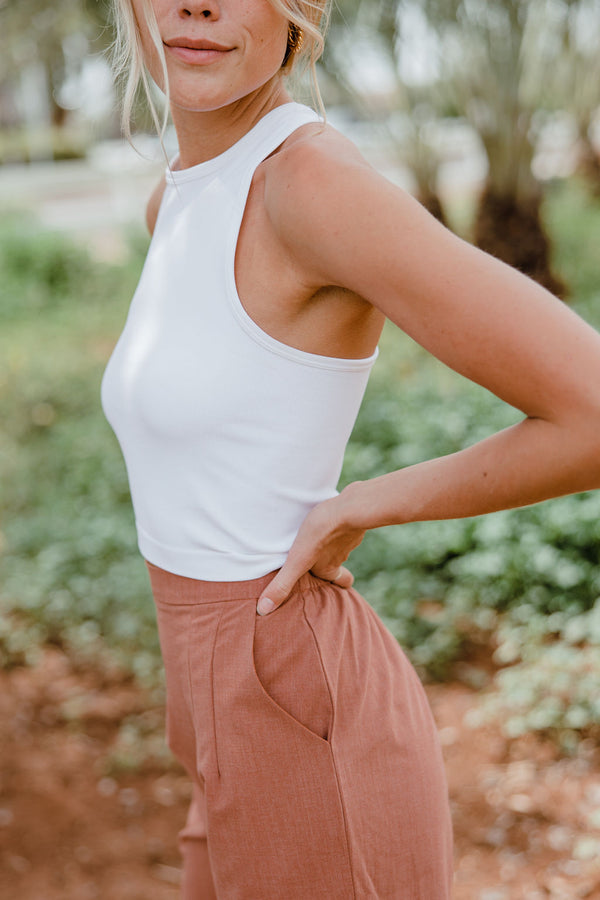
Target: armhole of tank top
{"points": [[246, 322]]}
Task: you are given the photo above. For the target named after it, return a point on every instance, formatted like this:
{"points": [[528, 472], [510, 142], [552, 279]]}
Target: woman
{"points": [[276, 256]]}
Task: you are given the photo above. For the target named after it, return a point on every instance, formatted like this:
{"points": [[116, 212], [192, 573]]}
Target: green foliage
{"points": [[554, 690], [573, 217], [70, 568], [60, 143], [40, 270]]}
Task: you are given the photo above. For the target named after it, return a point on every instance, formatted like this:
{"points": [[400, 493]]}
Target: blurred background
{"points": [[490, 114]]}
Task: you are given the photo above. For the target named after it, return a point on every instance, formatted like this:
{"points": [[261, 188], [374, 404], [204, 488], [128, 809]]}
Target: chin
{"points": [[199, 100], [209, 101]]}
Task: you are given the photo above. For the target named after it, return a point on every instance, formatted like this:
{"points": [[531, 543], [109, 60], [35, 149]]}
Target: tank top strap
{"points": [[269, 133], [266, 136], [250, 150]]}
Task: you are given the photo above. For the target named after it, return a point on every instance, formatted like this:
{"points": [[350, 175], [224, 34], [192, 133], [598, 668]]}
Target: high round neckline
{"points": [[209, 166]]}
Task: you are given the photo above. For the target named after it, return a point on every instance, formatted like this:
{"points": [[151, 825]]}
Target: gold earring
{"points": [[294, 41]]}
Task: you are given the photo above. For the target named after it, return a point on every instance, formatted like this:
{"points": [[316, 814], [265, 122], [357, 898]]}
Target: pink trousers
{"points": [[316, 767]]}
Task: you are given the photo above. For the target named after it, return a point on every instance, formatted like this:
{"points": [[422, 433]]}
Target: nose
{"points": [[207, 9]]}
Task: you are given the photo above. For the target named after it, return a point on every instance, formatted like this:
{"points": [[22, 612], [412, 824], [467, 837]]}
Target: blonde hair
{"points": [[306, 40]]}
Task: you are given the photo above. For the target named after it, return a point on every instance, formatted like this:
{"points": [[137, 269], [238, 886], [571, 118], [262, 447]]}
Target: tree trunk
{"points": [[513, 232], [432, 203], [58, 114], [589, 163]]}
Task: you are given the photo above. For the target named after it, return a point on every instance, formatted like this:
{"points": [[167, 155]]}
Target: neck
{"points": [[204, 135]]}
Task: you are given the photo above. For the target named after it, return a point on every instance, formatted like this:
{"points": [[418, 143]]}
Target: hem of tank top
{"points": [[191, 173], [258, 334], [147, 546], [230, 574]]}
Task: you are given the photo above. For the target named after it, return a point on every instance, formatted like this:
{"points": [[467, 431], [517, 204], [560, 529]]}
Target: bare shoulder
{"points": [[315, 158], [321, 195], [154, 204], [321, 144]]}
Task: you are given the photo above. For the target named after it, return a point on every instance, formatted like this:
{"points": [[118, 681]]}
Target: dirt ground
{"points": [[75, 826]]}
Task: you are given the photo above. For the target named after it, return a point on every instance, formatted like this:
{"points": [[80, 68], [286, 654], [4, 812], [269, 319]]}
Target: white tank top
{"points": [[229, 436]]}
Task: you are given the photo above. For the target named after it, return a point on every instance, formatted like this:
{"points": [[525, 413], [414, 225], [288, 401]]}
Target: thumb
{"points": [[278, 590]]}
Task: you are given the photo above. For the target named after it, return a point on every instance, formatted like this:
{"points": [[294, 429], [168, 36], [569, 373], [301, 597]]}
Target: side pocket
{"points": [[288, 667]]}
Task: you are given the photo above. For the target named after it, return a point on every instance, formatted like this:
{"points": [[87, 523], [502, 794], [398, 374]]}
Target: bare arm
{"points": [[477, 315]]}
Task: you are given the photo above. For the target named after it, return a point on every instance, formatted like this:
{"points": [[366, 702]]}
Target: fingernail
{"points": [[265, 606]]}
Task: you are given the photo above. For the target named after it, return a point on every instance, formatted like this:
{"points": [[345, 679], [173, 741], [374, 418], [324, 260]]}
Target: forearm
{"points": [[529, 462], [524, 464]]}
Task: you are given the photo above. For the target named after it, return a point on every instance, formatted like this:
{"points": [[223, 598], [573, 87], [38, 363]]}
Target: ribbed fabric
{"points": [[316, 766], [230, 437]]}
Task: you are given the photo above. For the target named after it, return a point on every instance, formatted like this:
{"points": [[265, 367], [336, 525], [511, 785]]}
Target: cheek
{"points": [[150, 53], [270, 27], [271, 45]]}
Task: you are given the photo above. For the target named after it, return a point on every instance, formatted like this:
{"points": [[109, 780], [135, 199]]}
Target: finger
{"points": [[344, 578], [279, 589], [339, 575]]}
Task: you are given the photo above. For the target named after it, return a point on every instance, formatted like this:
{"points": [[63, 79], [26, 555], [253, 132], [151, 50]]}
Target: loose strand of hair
{"points": [[127, 59], [313, 19]]}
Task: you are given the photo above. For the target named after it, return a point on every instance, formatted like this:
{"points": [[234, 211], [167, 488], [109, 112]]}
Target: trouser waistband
{"points": [[178, 589]]}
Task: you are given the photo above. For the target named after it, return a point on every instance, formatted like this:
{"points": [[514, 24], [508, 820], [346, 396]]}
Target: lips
{"points": [[196, 51], [187, 43]]}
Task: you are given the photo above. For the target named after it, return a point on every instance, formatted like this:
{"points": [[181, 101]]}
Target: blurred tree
{"points": [[41, 45], [576, 81], [493, 63], [407, 109], [498, 57], [34, 33]]}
